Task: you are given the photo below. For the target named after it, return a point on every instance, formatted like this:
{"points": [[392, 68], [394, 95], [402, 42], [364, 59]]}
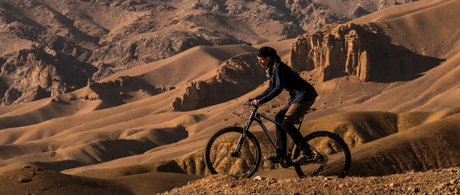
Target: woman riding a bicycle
{"points": [[235, 150], [302, 96]]}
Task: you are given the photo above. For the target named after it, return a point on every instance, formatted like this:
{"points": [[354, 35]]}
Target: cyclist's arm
{"points": [[275, 89], [270, 88]]}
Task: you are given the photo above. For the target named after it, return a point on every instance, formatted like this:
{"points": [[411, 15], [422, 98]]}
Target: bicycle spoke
{"points": [[219, 158], [335, 156]]}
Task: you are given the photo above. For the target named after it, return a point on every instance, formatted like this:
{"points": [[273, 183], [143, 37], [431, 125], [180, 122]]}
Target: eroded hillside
{"points": [[382, 143], [53, 47]]}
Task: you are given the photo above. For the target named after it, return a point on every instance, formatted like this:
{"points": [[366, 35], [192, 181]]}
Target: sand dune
{"points": [[90, 136], [193, 64], [127, 134]]}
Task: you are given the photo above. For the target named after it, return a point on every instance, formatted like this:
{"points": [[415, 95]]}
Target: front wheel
{"points": [[334, 156], [220, 157]]}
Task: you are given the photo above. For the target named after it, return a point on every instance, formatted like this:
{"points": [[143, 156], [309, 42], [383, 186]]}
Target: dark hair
{"points": [[268, 52]]}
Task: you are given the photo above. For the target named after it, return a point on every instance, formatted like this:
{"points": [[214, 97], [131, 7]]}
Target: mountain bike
{"points": [[236, 151]]}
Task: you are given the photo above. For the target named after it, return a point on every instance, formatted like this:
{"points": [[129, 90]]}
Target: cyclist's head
{"points": [[266, 52], [267, 56]]}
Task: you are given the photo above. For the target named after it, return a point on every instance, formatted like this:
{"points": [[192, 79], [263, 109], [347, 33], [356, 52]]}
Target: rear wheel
{"points": [[220, 157], [334, 156]]}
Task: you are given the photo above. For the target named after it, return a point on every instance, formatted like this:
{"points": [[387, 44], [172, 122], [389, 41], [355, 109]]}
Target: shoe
{"points": [[305, 156], [273, 158]]}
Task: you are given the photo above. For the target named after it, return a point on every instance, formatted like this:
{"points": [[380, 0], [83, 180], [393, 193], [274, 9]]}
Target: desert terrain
{"points": [[113, 106]]}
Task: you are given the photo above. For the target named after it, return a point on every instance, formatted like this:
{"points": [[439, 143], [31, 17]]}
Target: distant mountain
{"points": [[50, 47]]}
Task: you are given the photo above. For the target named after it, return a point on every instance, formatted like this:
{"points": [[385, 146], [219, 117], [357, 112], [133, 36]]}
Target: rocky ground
{"points": [[440, 181]]}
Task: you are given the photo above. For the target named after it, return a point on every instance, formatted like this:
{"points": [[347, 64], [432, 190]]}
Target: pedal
{"points": [[274, 161]]}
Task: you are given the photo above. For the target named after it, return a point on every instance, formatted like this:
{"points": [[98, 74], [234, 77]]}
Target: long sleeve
{"points": [[286, 79], [270, 87], [274, 89]]}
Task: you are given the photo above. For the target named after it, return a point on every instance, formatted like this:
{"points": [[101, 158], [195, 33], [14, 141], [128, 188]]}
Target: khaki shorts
{"points": [[297, 110]]}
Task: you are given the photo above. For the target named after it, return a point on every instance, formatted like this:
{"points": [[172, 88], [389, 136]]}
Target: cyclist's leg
{"points": [[293, 115], [280, 132], [295, 135], [281, 136]]}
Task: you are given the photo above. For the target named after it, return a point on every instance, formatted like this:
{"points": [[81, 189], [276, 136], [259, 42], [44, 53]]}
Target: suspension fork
{"points": [[252, 117]]}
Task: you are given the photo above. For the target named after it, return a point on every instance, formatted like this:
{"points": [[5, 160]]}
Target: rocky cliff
{"points": [[38, 72], [241, 71], [363, 51]]}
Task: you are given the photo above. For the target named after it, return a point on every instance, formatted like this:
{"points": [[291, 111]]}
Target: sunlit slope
{"points": [[427, 28], [94, 125], [145, 81], [381, 143]]}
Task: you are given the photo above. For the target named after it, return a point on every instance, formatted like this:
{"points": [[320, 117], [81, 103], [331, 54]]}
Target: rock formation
{"points": [[382, 4], [39, 72], [358, 50], [334, 50], [234, 77], [358, 12]]}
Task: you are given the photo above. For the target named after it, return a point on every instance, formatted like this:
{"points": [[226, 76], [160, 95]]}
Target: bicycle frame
{"points": [[248, 155], [255, 116]]}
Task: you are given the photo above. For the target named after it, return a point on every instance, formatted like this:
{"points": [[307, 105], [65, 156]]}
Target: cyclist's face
{"points": [[264, 61]]}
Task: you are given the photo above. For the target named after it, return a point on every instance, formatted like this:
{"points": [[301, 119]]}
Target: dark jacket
{"points": [[281, 77]]}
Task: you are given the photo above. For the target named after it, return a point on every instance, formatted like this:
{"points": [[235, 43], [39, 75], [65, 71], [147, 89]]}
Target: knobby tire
{"points": [[218, 153], [333, 148]]}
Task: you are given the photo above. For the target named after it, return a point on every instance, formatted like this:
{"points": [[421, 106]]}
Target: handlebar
{"points": [[246, 103], [246, 111], [249, 102]]}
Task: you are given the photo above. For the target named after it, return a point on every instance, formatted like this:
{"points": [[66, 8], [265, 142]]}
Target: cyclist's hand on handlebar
{"points": [[252, 102], [248, 101], [255, 102]]}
